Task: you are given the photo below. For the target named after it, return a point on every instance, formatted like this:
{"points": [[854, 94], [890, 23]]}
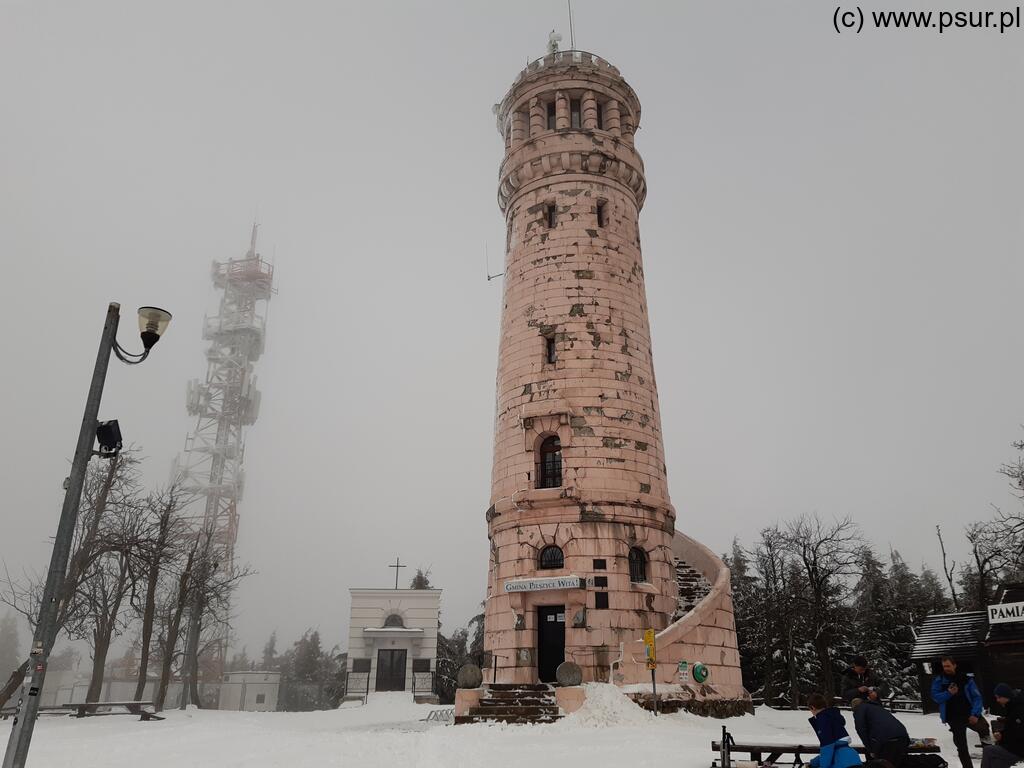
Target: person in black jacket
{"points": [[884, 737], [862, 682], [1008, 731]]}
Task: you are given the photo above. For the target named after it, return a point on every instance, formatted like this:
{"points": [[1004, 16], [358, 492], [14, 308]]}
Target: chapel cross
{"points": [[396, 566]]}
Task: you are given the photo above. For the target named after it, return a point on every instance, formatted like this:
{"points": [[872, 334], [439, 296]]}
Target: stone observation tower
{"points": [[585, 555]]}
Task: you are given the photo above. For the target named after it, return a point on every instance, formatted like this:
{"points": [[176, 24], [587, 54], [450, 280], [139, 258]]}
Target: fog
{"points": [[832, 245]]}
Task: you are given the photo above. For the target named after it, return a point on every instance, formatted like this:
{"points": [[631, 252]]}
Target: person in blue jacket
{"points": [[960, 706], [830, 727]]}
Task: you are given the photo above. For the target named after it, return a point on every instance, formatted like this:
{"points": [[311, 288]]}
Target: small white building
{"points": [[392, 641], [250, 691]]}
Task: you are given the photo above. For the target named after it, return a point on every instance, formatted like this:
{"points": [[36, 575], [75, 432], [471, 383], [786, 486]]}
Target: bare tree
{"points": [[170, 611], [161, 541], [948, 569], [987, 540], [828, 555], [103, 481], [103, 593], [194, 576], [215, 579]]}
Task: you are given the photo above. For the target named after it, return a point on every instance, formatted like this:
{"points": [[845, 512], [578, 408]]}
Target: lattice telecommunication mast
{"points": [[227, 401]]}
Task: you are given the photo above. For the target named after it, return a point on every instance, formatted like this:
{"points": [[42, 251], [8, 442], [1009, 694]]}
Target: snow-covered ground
{"points": [[391, 731]]}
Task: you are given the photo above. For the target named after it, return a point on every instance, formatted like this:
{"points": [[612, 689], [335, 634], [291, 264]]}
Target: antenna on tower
{"points": [[572, 36], [554, 38], [487, 266], [252, 241]]}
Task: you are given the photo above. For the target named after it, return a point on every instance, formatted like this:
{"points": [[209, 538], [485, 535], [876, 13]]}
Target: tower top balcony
{"points": [[567, 70], [251, 274]]}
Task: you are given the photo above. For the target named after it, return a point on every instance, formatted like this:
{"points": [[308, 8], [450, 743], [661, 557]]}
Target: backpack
{"points": [[928, 760]]}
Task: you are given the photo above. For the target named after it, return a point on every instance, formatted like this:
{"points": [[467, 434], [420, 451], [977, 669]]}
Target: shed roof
{"points": [[958, 634]]}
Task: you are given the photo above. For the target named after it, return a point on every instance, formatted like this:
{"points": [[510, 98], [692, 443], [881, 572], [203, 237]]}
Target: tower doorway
{"points": [[550, 641], [391, 669]]}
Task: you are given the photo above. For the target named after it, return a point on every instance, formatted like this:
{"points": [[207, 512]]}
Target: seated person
{"points": [[884, 736], [1008, 731], [830, 727]]}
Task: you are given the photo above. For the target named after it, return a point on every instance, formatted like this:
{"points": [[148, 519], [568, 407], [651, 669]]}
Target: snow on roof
{"points": [[958, 634], [394, 630]]}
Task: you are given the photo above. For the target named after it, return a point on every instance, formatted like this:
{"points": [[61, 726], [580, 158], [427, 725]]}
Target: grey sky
{"points": [[832, 244]]}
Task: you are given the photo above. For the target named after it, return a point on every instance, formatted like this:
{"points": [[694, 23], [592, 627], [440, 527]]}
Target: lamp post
{"points": [[152, 323]]}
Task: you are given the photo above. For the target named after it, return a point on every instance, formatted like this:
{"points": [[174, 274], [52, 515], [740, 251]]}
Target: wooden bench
{"points": [[52, 709], [87, 709], [728, 745]]}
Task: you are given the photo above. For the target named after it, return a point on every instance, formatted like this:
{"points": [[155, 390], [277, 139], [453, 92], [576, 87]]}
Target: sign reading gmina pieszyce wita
{"points": [[1005, 613], [534, 585]]}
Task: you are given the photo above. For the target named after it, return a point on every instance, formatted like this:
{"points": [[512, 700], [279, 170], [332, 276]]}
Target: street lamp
{"points": [[152, 323]]}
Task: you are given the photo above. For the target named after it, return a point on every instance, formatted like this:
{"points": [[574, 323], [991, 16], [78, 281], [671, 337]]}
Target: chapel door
{"points": [[391, 669], [550, 641]]}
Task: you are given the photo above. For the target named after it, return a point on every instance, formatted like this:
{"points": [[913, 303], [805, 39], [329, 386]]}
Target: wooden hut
{"points": [[983, 643]]}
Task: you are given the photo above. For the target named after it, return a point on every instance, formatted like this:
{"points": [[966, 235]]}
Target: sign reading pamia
{"points": [[534, 585], [1006, 612]]}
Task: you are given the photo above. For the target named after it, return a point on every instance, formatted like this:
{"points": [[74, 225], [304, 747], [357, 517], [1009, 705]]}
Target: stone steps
{"points": [[523, 710], [513, 703], [693, 588], [512, 719], [518, 686], [524, 701]]}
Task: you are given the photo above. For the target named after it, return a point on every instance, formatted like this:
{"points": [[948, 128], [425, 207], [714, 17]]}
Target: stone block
{"points": [[465, 699], [570, 699]]}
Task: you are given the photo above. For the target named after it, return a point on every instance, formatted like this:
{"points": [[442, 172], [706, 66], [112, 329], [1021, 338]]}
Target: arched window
{"points": [[394, 620], [551, 557], [549, 461], [637, 564]]}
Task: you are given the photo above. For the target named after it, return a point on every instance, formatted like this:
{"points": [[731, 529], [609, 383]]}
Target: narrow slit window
{"points": [[600, 600], [550, 215], [600, 116], [551, 115], [550, 352], [602, 218], [575, 113]]}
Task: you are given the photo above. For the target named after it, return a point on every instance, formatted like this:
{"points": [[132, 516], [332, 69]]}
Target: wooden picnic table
{"points": [[727, 745], [87, 709]]}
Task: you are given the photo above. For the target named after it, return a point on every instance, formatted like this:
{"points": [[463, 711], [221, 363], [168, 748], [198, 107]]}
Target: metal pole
{"points": [[654, 690], [46, 627]]}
